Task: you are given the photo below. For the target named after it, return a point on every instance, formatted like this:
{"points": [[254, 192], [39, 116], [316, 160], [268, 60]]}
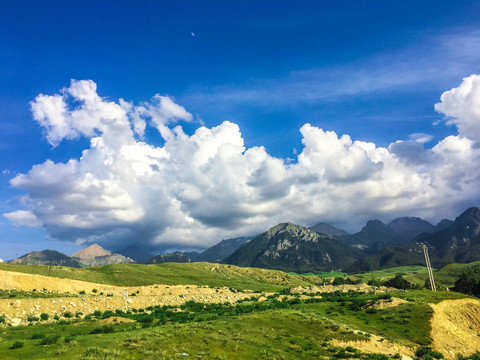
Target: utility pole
{"points": [[373, 281], [429, 267]]}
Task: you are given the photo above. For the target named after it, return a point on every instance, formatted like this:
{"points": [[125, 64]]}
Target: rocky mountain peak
{"points": [[92, 251]]}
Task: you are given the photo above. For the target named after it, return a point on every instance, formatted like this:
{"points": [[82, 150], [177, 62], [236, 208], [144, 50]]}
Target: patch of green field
{"points": [[414, 274], [444, 277], [448, 274], [215, 275]]}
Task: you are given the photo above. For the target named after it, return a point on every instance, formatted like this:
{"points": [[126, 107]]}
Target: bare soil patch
{"points": [[456, 327], [390, 303], [377, 344], [17, 311]]}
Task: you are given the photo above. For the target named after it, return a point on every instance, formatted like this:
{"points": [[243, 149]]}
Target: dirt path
{"points": [[17, 311], [456, 327]]}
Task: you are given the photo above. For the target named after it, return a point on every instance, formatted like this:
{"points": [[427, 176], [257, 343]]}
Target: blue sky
{"points": [[372, 70]]}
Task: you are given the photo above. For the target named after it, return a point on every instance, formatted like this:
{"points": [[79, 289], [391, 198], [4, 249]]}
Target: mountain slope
{"points": [[457, 243], [460, 242], [95, 255], [166, 258], [220, 251], [410, 227], [290, 247], [373, 237], [135, 253], [322, 228], [46, 257]]}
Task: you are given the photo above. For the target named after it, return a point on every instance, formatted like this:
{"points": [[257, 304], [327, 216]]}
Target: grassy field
{"points": [[444, 277], [414, 274], [214, 275], [278, 326], [270, 329]]}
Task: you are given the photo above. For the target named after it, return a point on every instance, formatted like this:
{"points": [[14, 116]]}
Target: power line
{"points": [[429, 267]]}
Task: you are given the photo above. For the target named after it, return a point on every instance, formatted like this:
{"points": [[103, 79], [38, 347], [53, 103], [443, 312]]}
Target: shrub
{"points": [[88, 317], [56, 317], [97, 313], [2, 319], [427, 353], [475, 356], [43, 316], [78, 314], [67, 315], [16, 345], [31, 318], [376, 357], [94, 291], [69, 339], [37, 336], [82, 292], [50, 340], [106, 329], [469, 281]]}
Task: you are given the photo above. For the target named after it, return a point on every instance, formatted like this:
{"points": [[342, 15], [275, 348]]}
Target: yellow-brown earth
{"points": [[17, 311]]}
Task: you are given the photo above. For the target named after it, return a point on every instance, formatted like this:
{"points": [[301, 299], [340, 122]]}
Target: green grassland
{"points": [[414, 274], [279, 327], [444, 277], [272, 329], [214, 275]]}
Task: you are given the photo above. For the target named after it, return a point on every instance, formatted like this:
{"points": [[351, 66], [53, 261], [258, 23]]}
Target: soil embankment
{"points": [[17, 311], [456, 327]]}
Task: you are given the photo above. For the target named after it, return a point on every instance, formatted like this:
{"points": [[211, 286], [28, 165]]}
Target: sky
{"points": [[172, 125]]}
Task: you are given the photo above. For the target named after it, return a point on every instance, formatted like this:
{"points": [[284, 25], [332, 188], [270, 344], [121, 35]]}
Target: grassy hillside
{"points": [[174, 274]]}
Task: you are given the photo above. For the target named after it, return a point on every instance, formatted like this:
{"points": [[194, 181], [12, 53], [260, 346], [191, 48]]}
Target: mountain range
{"points": [[322, 247]]}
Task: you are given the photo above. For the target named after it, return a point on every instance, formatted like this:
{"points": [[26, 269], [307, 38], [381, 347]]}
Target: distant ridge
{"points": [[373, 237], [410, 227], [166, 258], [220, 251], [46, 257], [458, 242], [323, 228], [135, 253]]}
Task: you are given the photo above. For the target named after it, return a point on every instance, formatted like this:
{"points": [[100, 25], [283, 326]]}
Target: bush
{"points": [[106, 329], [68, 315], [475, 356], [31, 318], [56, 317], [94, 291], [16, 345], [43, 316], [2, 319], [97, 313], [427, 353], [469, 281], [88, 317], [376, 357], [50, 340]]}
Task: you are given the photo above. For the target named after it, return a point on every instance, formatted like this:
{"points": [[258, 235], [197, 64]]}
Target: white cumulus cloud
{"points": [[195, 189]]}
